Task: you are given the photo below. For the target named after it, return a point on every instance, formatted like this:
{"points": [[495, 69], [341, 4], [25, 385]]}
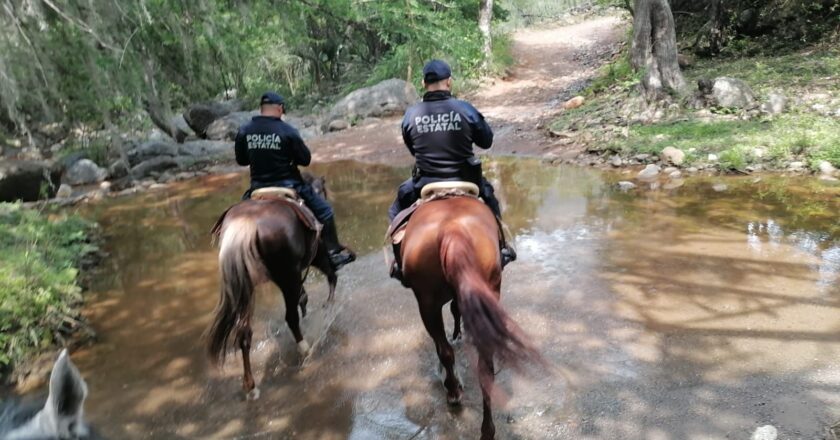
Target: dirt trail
{"points": [[553, 63]]}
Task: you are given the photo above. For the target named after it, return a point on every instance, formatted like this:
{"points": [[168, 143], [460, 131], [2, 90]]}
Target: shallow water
{"points": [[667, 314]]}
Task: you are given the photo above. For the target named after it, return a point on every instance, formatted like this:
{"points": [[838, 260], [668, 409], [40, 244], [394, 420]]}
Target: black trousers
{"points": [[409, 192]]}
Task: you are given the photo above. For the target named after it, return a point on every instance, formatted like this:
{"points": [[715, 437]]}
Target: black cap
{"points": [[436, 70], [271, 98]]}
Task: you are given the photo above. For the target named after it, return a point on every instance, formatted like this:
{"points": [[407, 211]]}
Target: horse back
{"points": [[280, 229]]}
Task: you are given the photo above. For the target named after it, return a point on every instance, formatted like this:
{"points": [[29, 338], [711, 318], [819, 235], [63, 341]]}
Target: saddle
{"points": [[430, 192], [291, 198]]}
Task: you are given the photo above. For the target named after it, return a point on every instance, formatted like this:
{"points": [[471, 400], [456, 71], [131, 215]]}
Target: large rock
{"points": [[775, 104], [651, 172], [151, 149], [207, 150], [25, 180], [84, 172], [157, 164], [390, 97], [734, 93], [226, 127], [826, 168], [181, 125], [673, 156], [118, 169], [200, 116]]}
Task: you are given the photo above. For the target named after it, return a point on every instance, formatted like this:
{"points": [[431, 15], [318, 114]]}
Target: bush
{"points": [[39, 294]]}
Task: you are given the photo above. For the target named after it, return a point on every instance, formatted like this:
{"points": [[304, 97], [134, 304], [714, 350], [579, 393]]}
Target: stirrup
{"points": [[396, 273]]}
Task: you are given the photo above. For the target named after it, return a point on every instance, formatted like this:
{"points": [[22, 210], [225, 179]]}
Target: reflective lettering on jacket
{"points": [[271, 141], [436, 122]]}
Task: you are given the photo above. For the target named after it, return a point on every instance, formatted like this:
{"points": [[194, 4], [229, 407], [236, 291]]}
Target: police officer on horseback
{"points": [[440, 132], [274, 150]]}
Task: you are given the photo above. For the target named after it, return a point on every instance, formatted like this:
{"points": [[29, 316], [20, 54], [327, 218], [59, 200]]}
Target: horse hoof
{"points": [[303, 348], [456, 399], [253, 394]]}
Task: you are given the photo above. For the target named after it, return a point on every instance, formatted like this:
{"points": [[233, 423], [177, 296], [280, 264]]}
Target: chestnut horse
{"points": [[263, 240], [450, 252]]}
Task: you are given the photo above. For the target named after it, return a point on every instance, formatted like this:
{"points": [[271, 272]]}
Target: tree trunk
{"points": [[485, 16], [654, 50], [158, 112]]}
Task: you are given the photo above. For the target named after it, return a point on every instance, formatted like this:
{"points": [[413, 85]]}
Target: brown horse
{"points": [[451, 253], [259, 241]]}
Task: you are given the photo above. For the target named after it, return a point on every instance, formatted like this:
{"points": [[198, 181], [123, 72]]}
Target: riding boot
{"points": [[339, 255], [507, 251]]}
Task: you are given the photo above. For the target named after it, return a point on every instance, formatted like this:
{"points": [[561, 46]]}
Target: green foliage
{"points": [[617, 73], [96, 62], [816, 137], [39, 295]]}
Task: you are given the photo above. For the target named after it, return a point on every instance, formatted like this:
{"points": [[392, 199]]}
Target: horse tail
{"points": [[241, 270], [490, 328]]}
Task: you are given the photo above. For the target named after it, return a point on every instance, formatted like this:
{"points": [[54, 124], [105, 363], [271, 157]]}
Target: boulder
{"points": [[574, 103], [154, 165], [118, 169], [149, 150], [226, 127], [684, 60], [720, 187], [338, 125], [626, 186], [25, 180], [207, 150], [84, 172], [200, 116], [69, 160], [649, 173], [673, 156], [826, 168], [181, 125], [734, 93], [64, 191], [796, 166], [775, 104], [389, 97]]}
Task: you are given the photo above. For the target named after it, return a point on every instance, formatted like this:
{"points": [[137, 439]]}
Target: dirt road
{"points": [[553, 63]]}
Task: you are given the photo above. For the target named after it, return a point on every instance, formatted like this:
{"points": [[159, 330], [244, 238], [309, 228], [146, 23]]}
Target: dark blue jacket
{"points": [[440, 131], [273, 149]]}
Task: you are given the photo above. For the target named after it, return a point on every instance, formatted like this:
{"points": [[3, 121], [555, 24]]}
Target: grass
{"points": [[798, 134], [819, 65], [39, 293], [735, 141]]}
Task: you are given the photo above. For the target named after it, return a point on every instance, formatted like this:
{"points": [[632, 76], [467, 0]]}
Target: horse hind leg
{"points": [[248, 385], [486, 378], [292, 289], [304, 300], [433, 321], [456, 315]]}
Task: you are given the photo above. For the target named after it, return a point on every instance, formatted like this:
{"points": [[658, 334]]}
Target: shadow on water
{"points": [[675, 314]]}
